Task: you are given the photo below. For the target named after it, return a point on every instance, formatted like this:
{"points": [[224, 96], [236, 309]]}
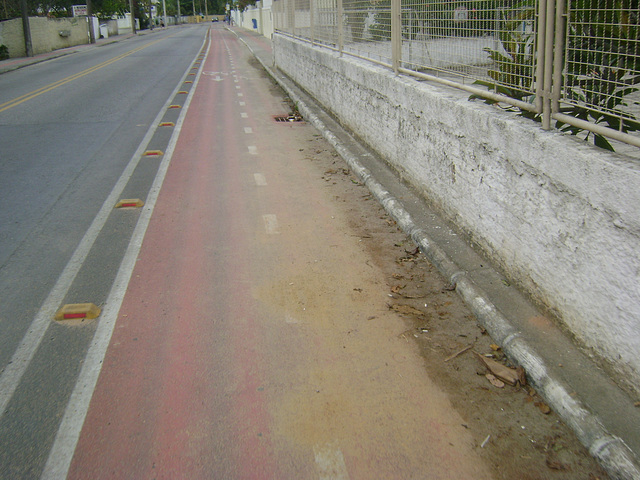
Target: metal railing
{"points": [[573, 66]]}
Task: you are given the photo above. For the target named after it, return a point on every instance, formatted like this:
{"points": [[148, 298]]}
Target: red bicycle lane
{"points": [[178, 395]]}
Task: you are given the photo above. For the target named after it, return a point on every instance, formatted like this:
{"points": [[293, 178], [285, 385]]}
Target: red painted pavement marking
{"points": [[178, 393]]}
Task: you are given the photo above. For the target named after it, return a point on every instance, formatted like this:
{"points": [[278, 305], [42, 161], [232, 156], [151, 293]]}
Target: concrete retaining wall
{"points": [[47, 34], [559, 216]]}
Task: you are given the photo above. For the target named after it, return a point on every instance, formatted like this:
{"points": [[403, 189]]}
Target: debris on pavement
{"points": [[458, 353], [504, 373], [407, 310], [494, 381]]}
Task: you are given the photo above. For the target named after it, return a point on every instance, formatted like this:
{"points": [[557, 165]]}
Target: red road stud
{"points": [[72, 311], [175, 106], [167, 124], [130, 202], [183, 92], [153, 153]]}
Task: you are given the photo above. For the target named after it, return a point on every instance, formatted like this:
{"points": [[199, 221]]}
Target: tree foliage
{"points": [[107, 8], [602, 61]]}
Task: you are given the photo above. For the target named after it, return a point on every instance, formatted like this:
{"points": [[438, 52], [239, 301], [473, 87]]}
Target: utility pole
{"points": [[133, 17], [179, 16], [92, 35], [164, 13], [26, 29]]}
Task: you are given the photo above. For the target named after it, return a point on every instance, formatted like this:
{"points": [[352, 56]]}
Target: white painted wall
{"points": [[561, 217], [261, 13]]}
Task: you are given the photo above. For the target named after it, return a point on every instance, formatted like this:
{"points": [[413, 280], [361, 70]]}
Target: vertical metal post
{"points": [[396, 34], [311, 23], [542, 22], [558, 54], [293, 17], [548, 66], [340, 27]]}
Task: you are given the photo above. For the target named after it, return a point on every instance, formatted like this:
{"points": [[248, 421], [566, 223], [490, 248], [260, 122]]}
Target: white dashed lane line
{"points": [[271, 224], [260, 179]]}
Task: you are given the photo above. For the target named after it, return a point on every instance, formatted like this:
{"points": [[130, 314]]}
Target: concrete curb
{"points": [[612, 453]]}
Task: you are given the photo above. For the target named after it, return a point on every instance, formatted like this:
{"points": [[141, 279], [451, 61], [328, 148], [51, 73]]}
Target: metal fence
{"points": [[574, 66]]}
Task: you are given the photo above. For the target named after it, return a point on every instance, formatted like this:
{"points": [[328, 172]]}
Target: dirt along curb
{"points": [[612, 453]]}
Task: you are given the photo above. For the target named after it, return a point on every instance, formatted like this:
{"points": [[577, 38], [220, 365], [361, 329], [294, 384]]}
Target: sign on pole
{"points": [[79, 10]]}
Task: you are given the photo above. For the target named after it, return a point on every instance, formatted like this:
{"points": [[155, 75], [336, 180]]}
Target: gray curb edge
{"points": [[610, 451]]}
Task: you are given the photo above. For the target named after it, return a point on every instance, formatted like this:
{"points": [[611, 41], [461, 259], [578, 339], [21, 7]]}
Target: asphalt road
{"points": [[71, 133]]}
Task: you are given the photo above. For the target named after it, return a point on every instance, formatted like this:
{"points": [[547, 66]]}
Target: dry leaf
{"points": [[507, 374], [397, 288], [544, 408], [494, 381], [411, 297], [556, 465], [406, 310], [494, 347]]}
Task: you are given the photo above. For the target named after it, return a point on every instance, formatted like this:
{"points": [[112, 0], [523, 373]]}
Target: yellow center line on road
{"points": [[52, 86]]}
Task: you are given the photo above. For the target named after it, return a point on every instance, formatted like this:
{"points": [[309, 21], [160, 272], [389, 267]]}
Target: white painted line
{"points": [[271, 224], [244, 115], [260, 179], [237, 86], [240, 95], [242, 104], [66, 440], [253, 150], [248, 130], [330, 463]]}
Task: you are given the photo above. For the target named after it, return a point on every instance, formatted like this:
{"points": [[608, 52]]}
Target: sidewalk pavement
{"points": [[603, 416]]}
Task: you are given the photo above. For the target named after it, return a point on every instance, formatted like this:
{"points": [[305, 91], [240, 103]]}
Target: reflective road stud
{"points": [[78, 310], [153, 153], [130, 202]]}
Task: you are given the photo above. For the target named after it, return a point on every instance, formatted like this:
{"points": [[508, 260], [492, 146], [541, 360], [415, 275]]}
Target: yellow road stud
{"points": [[130, 202], [78, 310]]}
